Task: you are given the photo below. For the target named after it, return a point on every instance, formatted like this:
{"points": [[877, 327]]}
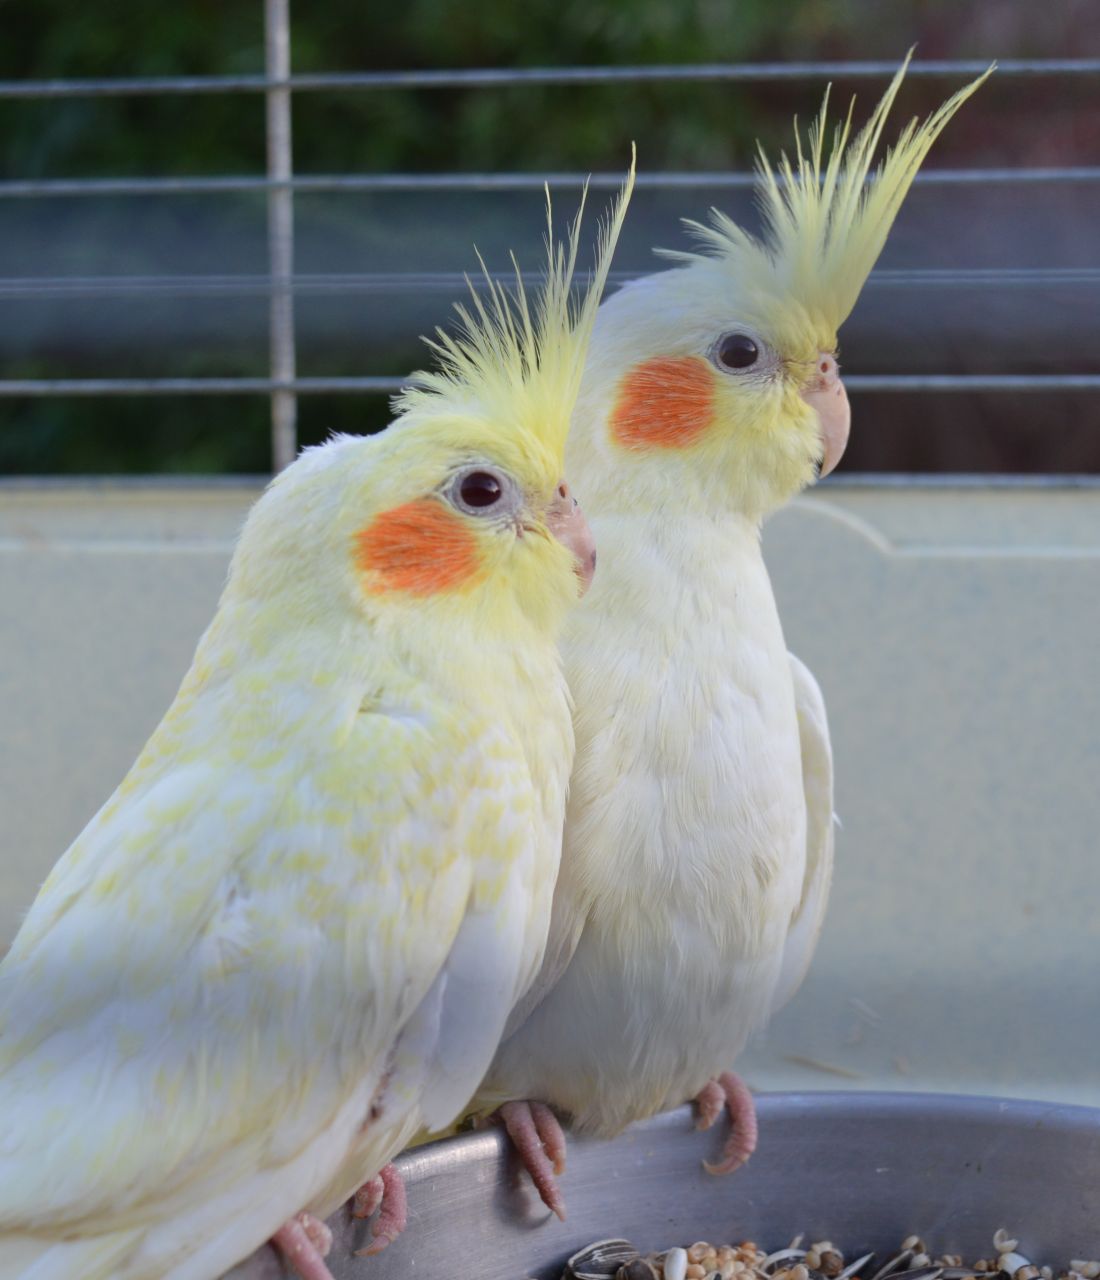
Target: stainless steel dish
{"points": [[864, 1170]]}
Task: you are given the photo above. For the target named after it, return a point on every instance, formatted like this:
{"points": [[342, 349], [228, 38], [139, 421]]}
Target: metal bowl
{"points": [[864, 1170]]}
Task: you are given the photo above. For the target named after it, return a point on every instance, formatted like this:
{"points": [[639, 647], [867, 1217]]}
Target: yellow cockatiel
{"points": [[699, 833], [292, 936]]}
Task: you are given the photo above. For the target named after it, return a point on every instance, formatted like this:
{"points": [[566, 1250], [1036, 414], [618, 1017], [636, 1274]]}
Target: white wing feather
{"points": [[817, 781], [185, 1060]]}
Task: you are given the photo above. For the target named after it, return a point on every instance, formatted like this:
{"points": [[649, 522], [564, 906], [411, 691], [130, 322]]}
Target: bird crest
{"points": [[515, 363], [825, 220]]}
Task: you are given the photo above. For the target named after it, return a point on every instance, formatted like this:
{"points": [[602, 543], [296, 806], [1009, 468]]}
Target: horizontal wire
{"points": [[47, 288], [410, 182], [973, 382], [80, 387], [487, 77], [883, 382], [244, 286]]}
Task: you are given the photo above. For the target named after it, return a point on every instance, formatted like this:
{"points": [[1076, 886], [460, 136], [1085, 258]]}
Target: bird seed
{"points": [[619, 1260]]}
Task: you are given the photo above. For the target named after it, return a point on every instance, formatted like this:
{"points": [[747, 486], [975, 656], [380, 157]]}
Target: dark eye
{"points": [[480, 489], [736, 351]]}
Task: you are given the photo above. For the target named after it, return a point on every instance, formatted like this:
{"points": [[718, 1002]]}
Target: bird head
{"points": [[720, 375], [459, 510]]}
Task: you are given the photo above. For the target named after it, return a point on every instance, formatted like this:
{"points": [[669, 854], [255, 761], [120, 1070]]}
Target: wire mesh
{"points": [[279, 185]]}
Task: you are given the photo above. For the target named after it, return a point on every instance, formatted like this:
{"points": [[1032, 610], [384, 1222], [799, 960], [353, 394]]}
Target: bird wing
{"points": [[231, 951], [567, 921], [817, 782]]}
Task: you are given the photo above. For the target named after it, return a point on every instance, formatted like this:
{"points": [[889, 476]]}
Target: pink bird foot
{"points": [[384, 1195], [538, 1138], [304, 1242], [729, 1092]]}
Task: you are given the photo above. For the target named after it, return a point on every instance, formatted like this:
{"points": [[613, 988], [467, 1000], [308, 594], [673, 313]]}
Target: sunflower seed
{"points": [[898, 1261], [676, 1264], [600, 1260], [636, 1269]]}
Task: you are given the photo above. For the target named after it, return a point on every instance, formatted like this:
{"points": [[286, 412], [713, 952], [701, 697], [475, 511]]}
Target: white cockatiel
{"points": [[699, 835], [292, 936]]}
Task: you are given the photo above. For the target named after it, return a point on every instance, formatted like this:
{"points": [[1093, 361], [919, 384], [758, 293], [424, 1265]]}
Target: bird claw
{"points": [[710, 1102], [304, 1242], [368, 1198], [540, 1143], [731, 1092], [384, 1194]]}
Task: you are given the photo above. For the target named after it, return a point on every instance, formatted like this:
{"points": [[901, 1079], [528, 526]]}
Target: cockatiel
{"points": [[699, 833], [292, 936]]}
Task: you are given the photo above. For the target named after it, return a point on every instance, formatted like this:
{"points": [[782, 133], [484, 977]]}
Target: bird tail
{"points": [[90, 1258]]}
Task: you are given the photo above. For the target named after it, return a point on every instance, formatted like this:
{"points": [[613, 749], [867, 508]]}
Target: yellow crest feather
{"points": [[513, 364], [827, 221]]}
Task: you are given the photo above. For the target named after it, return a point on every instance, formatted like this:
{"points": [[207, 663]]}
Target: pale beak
{"points": [[565, 520], [825, 393]]}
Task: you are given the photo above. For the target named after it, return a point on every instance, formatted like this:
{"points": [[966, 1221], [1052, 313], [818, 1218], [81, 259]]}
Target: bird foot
{"points": [[384, 1195], [728, 1091], [304, 1241], [537, 1137]]}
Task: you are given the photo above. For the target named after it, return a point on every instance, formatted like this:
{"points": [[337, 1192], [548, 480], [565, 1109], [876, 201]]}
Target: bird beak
{"points": [[826, 395], [565, 520]]}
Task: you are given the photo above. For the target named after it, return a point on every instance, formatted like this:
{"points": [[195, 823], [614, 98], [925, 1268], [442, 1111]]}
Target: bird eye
{"points": [[736, 351], [480, 491]]}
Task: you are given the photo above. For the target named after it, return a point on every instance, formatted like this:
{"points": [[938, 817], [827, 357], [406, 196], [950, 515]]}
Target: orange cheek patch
{"points": [[664, 403], [421, 548]]}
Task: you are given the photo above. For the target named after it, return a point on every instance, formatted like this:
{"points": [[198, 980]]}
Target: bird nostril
{"points": [[563, 490], [824, 366]]}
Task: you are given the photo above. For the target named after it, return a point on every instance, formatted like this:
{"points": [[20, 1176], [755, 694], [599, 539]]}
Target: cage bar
{"points": [[280, 234]]}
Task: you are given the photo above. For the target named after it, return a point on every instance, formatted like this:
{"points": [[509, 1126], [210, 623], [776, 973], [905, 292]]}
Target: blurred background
{"points": [[993, 267]]}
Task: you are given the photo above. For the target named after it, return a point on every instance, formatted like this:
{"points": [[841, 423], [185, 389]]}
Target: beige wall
{"points": [[954, 631]]}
